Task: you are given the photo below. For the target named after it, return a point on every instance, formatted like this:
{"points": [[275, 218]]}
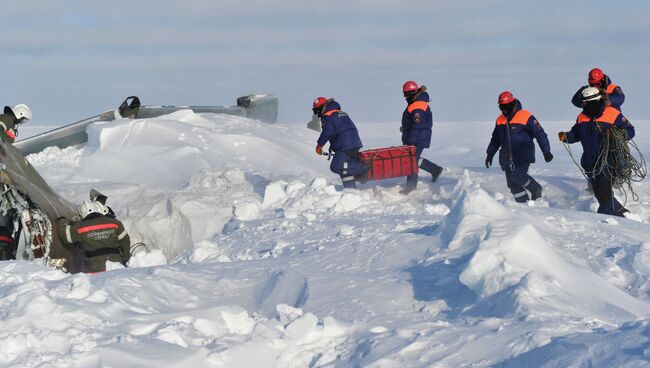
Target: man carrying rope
{"points": [[596, 127]]}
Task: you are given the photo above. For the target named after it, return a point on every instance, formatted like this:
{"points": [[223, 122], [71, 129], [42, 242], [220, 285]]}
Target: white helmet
{"points": [[21, 111], [591, 94], [89, 207]]}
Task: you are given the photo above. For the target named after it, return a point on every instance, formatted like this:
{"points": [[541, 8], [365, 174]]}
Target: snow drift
{"points": [[261, 260]]}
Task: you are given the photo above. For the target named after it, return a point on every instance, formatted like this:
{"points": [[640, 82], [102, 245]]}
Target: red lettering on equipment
{"points": [[86, 229]]}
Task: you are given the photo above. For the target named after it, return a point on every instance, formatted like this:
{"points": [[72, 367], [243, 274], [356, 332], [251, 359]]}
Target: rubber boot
{"points": [[431, 168]]}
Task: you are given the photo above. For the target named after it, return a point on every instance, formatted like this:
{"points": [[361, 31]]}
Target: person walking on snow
{"points": [[417, 122], [591, 128], [596, 78], [11, 118], [344, 140], [513, 135]]}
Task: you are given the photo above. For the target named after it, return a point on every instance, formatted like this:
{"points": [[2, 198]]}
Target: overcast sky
{"points": [[71, 59]]}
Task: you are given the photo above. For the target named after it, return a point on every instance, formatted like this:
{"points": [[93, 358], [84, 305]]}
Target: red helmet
{"points": [[319, 102], [410, 86], [595, 76], [506, 97], [318, 105]]}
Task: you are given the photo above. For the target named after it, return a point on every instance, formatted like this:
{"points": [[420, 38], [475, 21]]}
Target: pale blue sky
{"points": [[70, 59]]}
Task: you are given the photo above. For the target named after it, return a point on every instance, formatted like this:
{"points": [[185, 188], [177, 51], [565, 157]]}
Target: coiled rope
{"points": [[617, 161]]}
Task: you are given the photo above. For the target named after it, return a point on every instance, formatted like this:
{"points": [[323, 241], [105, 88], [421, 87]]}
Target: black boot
{"points": [[406, 190], [536, 194], [363, 177], [435, 173], [431, 168]]}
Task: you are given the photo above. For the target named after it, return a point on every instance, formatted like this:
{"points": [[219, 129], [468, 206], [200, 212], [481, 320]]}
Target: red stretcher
{"points": [[391, 162]]}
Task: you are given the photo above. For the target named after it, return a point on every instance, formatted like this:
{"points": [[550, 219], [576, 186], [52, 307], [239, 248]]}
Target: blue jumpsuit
{"points": [[590, 133], [417, 122], [614, 93], [514, 136], [344, 140]]}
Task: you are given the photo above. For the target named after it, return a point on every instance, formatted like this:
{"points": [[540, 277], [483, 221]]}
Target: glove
{"points": [[5, 178], [562, 136], [548, 157], [401, 129], [488, 162], [319, 150]]}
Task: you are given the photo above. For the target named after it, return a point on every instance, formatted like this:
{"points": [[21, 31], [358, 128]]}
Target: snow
{"points": [[256, 257]]}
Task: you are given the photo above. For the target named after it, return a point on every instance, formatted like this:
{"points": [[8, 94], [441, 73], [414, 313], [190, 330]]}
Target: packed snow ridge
{"points": [[258, 258]]}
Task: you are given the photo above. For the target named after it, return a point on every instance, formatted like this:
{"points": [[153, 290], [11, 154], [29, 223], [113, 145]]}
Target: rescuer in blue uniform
{"points": [[596, 78], [591, 129], [417, 121], [344, 140], [514, 132]]}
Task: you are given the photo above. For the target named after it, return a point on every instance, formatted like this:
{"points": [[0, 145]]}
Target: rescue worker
{"points": [[9, 121], [8, 215], [344, 140], [596, 78], [417, 121], [101, 237], [11, 118], [590, 129], [513, 135], [7, 242]]}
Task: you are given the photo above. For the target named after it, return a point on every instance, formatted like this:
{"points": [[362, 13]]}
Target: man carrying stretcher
{"points": [[344, 140], [417, 121]]}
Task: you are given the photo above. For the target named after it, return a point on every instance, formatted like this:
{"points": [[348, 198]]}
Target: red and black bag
{"points": [[390, 162]]}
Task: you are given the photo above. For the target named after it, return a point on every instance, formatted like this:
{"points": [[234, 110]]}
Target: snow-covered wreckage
{"points": [[38, 206]]}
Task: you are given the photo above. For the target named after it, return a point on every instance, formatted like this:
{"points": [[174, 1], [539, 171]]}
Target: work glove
{"points": [[401, 129], [548, 157], [488, 162], [319, 150], [5, 178], [562, 136]]}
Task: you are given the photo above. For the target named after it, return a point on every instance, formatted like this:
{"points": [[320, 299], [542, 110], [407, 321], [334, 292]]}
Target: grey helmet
{"points": [[89, 207]]}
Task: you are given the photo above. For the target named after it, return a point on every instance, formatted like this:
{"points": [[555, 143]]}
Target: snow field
{"points": [[261, 260]]}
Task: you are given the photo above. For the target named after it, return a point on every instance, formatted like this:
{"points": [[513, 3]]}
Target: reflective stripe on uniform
{"points": [[347, 178], [527, 183], [121, 236], [345, 168], [520, 194], [329, 113], [521, 117], [609, 116], [611, 88], [418, 105], [68, 236], [86, 229], [420, 161]]}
